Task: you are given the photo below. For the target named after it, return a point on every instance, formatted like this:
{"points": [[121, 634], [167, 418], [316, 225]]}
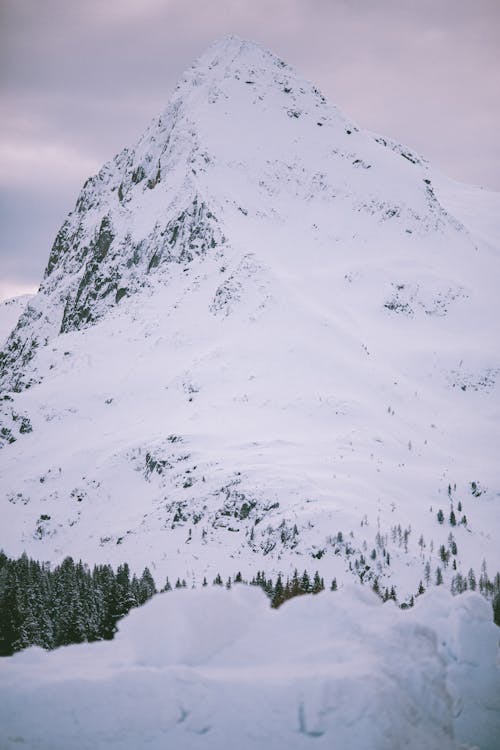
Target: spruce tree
{"points": [[278, 594], [147, 587], [305, 583], [471, 579], [318, 584], [295, 589]]}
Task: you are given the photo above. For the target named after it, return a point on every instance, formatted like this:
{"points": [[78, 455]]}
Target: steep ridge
{"points": [[10, 312], [259, 335]]}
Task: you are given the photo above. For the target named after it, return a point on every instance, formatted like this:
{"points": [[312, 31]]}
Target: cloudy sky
{"points": [[81, 79]]}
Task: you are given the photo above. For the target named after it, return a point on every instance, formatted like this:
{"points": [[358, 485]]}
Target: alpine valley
{"points": [[265, 338]]}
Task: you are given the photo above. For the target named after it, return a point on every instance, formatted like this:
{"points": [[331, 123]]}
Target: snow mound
{"points": [[213, 668]]}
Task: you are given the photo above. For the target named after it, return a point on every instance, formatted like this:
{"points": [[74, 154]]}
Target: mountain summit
{"points": [[261, 331], [241, 126]]}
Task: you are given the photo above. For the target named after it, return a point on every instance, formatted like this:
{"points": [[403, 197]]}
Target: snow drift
{"points": [[215, 668]]}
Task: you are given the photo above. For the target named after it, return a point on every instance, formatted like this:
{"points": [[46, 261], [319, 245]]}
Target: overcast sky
{"points": [[82, 78]]}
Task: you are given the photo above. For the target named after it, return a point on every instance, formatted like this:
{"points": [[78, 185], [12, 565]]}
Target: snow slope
{"points": [[260, 326], [216, 668], [10, 312]]}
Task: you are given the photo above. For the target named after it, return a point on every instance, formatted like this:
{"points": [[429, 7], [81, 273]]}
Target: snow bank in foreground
{"points": [[219, 669]]}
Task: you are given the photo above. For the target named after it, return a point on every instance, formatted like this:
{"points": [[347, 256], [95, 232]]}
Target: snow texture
{"points": [[259, 327], [215, 668], [10, 312]]}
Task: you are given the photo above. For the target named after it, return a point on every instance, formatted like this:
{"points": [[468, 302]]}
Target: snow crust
{"points": [[213, 668]]}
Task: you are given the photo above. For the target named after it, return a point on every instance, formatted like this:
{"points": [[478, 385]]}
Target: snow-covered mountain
{"points": [[264, 338]]}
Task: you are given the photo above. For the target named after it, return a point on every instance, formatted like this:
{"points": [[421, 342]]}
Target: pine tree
{"points": [[496, 609], [69, 613], [471, 579], [287, 594], [496, 599], [318, 584], [295, 589], [11, 609], [278, 595], [305, 583], [124, 598], [147, 587], [444, 554], [106, 584]]}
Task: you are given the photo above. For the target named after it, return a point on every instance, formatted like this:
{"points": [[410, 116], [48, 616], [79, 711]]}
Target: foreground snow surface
{"points": [[219, 669]]}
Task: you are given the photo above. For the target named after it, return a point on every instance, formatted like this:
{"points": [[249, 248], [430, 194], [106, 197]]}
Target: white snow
{"points": [[10, 311], [318, 350], [213, 669]]}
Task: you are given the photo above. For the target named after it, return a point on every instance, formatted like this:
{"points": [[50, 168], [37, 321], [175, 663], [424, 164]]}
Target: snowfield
{"points": [[220, 669]]}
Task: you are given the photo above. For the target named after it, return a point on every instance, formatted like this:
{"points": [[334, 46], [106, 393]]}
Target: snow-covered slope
{"points": [[10, 312], [215, 668], [261, 340]]}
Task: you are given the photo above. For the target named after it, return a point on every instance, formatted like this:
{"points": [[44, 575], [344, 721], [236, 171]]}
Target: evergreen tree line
{"points": [[72, 604], [277, 591], [69, 604]]}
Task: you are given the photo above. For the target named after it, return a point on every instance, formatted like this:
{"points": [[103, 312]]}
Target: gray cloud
{"points": [[81, 79]]}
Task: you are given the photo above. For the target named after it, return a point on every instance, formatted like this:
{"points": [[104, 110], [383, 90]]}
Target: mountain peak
{"points": [[229, 48], [233, 59], [242, 136]]}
